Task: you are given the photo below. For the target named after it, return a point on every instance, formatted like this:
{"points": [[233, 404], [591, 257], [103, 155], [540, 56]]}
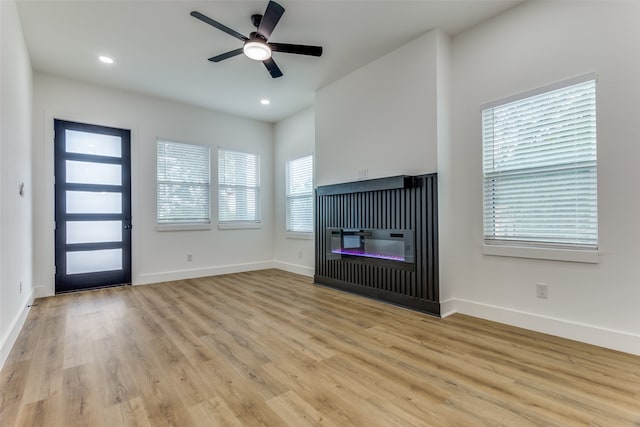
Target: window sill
{"points": [[590, 257], [299, 235], [239, 225], [182, 227]]}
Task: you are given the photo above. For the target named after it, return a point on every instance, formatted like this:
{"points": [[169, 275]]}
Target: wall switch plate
{"points": [[542, 290]]}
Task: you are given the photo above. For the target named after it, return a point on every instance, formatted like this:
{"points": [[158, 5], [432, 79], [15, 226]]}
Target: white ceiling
{"points": [[160, 50]]}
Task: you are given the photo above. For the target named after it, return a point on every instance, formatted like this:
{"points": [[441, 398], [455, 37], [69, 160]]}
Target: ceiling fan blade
{"points": [[273, 68], [270, 18], [226, 55], [298, 49], [218, 25]]}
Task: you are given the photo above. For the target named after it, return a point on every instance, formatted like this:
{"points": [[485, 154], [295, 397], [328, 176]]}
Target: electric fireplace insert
{"points": [[375, 244]]}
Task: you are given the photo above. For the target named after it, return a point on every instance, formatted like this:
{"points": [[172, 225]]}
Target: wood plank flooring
{"points": [[269, 348]]}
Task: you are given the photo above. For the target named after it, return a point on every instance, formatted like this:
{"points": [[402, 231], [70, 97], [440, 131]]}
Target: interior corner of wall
{"points": [[42, 292], [447, 308]]}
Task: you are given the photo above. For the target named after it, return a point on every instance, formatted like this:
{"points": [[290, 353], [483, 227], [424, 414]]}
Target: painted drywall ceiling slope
{"points": [[162, 51]]}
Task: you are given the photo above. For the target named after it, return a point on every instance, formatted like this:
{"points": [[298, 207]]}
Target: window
{"points": [[539, 168], [238, 187], [299, 177], [183, 183]]}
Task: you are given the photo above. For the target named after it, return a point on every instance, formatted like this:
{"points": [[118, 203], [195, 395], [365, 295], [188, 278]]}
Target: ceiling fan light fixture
{"points": [[257, 50]]}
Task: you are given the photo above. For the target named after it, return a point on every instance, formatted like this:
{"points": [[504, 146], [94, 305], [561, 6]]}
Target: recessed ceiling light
{"points": [[265, 102], [105, 59]]}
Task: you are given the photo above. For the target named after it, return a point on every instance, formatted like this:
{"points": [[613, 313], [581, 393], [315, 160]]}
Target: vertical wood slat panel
{"points": [[413, 207], [435, 266], [421, 221], [415, 284], [426, 240]]}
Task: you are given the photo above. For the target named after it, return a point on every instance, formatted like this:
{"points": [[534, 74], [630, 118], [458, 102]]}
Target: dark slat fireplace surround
{"points": [[400, 207]]}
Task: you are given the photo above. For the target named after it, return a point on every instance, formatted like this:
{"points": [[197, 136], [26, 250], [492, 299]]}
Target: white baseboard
{"points": [[10, 338], [447, 308], [166, 276], [294, 268], [603, 337], [42, 292]]}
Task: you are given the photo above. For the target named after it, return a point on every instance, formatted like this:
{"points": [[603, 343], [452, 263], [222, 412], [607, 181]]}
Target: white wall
{"points": [[15, 167], [294, 138], [382, 117], [157, 256], [530, 46]]}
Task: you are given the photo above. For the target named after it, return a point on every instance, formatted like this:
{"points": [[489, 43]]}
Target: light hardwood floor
{"points": [[270, 348]]}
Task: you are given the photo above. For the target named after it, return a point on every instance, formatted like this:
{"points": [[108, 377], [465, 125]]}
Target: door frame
{"points": [[62, 281]]}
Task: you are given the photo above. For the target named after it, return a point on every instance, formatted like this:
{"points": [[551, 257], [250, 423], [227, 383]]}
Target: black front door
{"points": [[93, 206]]}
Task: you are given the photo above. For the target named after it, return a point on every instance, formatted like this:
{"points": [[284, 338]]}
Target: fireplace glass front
{"points": [[391, 245]]}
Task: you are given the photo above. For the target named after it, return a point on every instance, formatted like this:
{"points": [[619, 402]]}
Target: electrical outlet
{"points": [[363, 173], [299, 254], [542, 290], [189, 257]]}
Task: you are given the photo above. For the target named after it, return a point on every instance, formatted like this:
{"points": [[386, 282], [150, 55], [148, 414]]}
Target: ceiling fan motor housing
{"points": [[255, 19], [256, 36]]}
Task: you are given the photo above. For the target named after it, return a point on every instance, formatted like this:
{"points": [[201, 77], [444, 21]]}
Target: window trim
{"points": [[300, 235], [522, 251], [183, 226], [239, 225], [534, 250]]}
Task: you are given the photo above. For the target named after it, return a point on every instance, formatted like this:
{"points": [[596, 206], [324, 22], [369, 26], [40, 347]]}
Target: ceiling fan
{"points": [[257, 46]]}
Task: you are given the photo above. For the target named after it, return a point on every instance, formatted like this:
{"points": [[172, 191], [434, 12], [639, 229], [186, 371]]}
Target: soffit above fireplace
{"points": [[379, 184]]}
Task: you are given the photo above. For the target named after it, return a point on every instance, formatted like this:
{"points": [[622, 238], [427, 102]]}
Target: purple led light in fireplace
{"points": [[367, 254]]}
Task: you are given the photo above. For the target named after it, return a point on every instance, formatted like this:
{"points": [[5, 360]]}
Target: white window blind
{"points": [[300, 195], [238, 186], [183, 183], [539, 164]]}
